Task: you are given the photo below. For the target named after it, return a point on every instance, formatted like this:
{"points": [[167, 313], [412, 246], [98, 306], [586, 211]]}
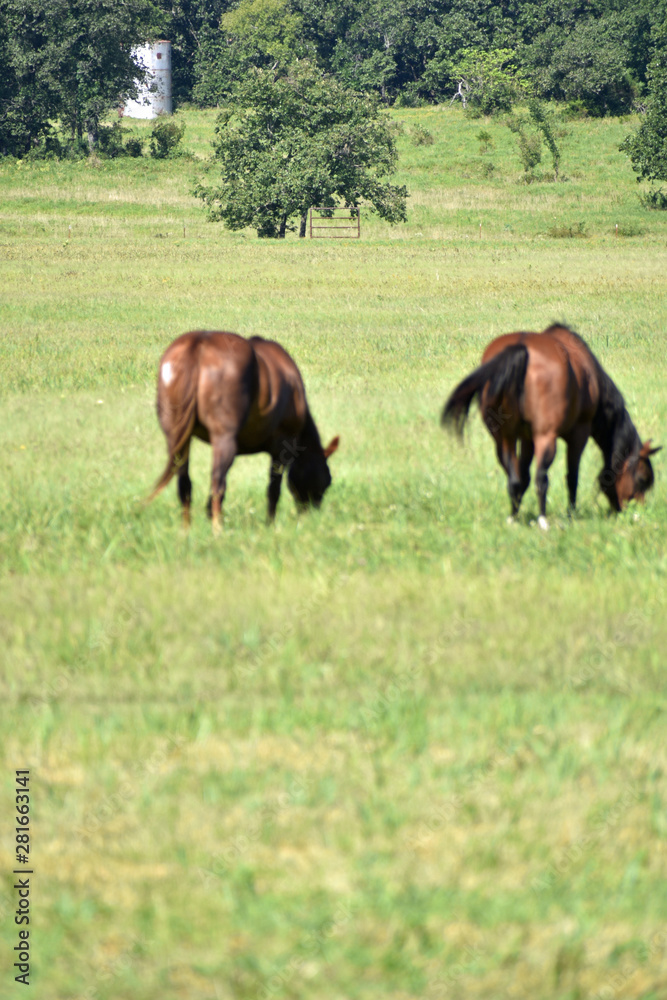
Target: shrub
{"points": [[655, 199], [542, 122], [110, 140], [165, 138], [409, 98], [575, 111], [421, 136], [530, 150], [485, 141], [55, 147], [629, 229], [568, 232], [529, 143], [134, 146]]}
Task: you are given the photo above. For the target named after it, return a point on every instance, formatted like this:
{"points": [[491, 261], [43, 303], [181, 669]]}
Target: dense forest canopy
{"points": [[71, 62], [594, 52]]}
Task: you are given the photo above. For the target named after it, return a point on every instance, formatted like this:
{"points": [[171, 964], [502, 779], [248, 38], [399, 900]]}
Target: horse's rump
{"points": [[500, 381], [179, 385]]}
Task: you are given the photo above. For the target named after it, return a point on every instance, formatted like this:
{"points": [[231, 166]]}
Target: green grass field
{"points": [[393, 749]]}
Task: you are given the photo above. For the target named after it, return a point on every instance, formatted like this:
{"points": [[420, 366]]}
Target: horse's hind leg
{"points": [[527, 452], [519, 474], [185, 484], [506, 451], [224, 452], [545, 452]]}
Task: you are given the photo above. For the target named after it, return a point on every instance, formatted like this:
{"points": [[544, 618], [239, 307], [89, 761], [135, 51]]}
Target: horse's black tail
{"points": [[504, 376]]}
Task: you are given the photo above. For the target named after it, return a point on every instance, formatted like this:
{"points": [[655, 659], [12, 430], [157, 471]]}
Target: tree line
{"points": [[70, 58], [309, 78], [594, 52]]}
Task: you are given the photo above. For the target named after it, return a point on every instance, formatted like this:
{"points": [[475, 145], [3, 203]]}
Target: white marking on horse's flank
{"points": [[167, 373], [543, 523]]}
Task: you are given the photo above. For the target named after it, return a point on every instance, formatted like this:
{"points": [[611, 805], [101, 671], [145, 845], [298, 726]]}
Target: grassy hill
{"points": [[396, 748]]}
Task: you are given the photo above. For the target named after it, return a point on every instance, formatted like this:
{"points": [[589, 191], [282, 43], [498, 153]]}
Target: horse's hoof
{"points": [[543, 523], [510, 520]]}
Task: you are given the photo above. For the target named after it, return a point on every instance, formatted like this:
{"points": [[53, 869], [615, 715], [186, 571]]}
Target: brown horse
{"points": [[536, 387], [242, 397]]}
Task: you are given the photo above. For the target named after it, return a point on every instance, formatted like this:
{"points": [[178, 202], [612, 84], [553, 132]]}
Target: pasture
{"points": [[395, 748]]}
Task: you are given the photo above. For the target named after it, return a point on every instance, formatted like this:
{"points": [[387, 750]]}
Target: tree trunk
{"points": [[304, 221], [283, 227]]}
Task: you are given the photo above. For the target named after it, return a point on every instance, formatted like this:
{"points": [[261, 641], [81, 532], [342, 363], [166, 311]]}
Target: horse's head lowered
{"points": [[632, 480], [309, 477]]}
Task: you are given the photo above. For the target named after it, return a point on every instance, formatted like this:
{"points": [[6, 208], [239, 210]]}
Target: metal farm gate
{"points": [[327, 223]]}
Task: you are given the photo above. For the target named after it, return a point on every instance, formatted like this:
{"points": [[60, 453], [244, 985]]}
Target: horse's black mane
{"points": [[613, 430]]}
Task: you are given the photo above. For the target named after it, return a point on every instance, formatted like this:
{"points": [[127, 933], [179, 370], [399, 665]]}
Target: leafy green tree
{"points": [[187, 25], [298, 141], [647, 147], [88, 58], [256, 34], [489, 81], [69, 60], [589, 64], [368, 57], [594, 51], [26, 103], [438, 79]]}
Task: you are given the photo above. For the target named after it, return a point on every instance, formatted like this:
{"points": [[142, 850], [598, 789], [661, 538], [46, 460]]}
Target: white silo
{"points": [[154, 97]]}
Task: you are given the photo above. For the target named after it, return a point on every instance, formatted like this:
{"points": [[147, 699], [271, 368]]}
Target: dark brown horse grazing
{"points": [[536, 387], [243, 397]]}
